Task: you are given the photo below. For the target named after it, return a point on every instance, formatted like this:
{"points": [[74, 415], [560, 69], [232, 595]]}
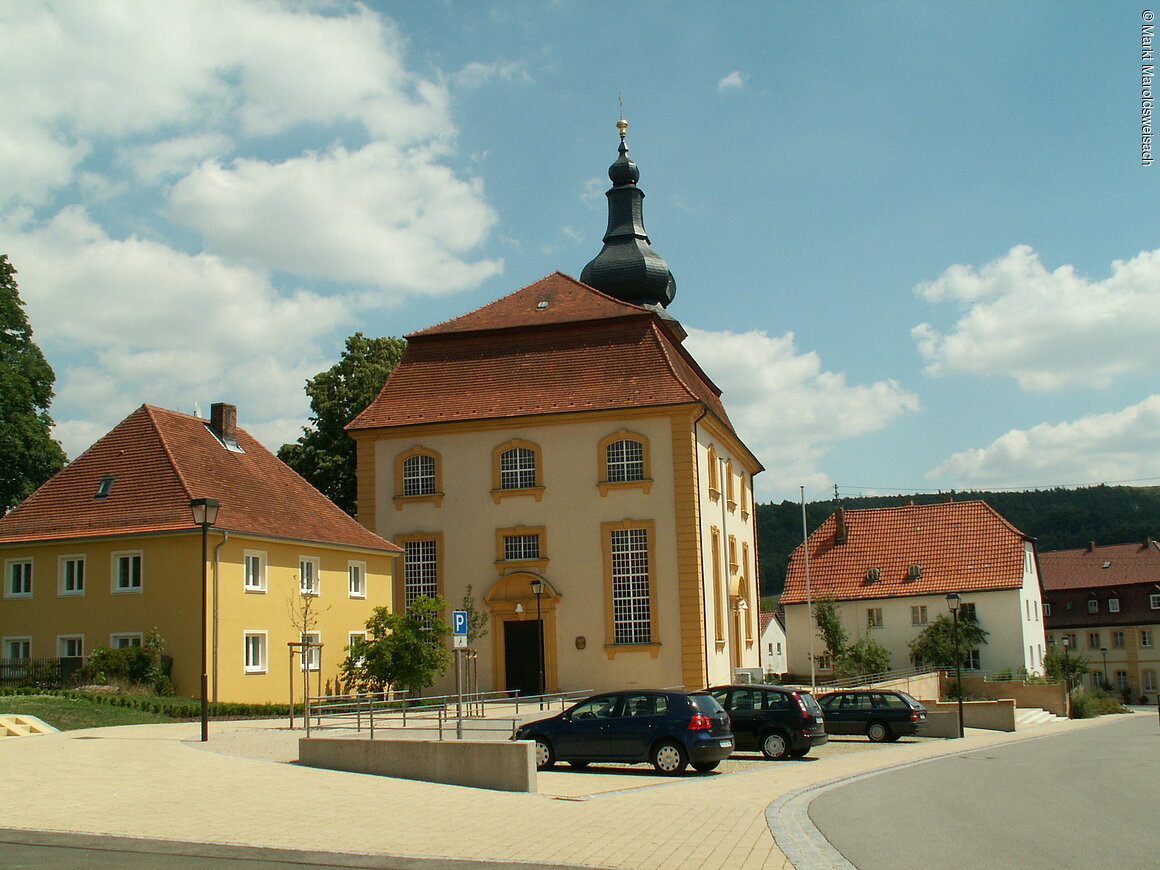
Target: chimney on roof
{"points": [[1148, 542], [841, 533], [1091, 546], [223, 420]]}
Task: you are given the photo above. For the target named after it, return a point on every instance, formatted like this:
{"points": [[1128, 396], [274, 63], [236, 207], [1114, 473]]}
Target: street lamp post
{"points": [[1067, 673], [953, 605], [205, 511], [538, 590], [1104, 652]]}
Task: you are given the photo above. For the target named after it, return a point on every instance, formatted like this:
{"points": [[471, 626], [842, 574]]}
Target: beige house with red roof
{"points": [[1104, 601], [561, 452], [890, 569], [107, 551]]}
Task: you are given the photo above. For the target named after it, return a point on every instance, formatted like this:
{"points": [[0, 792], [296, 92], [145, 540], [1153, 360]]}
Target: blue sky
{"points": [[914, 243]]}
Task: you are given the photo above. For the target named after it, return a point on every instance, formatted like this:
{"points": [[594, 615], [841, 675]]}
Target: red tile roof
{"points": [[582, 351], [960, 546], [1103, 566], [159, 460]]}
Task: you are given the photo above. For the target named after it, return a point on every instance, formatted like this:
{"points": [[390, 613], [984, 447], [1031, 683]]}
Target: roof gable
{"points": [[583, 351], [157, 461], [553, 300], [958, 546]]}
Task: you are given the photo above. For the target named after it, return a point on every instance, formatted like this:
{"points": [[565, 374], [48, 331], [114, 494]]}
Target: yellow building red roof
{"points": [[958, 546], [1107, 565], [153, 463], [555, 346]]}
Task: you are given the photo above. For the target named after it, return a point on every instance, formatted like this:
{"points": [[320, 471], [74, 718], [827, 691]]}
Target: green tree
{"points": [[935, 645], [28, 454], [1065, 668], [864, 656], [325, 453], [401, 650], [829, 622]]}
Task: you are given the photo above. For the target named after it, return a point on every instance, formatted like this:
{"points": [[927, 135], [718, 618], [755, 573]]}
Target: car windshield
{"points": [[595, 708]]}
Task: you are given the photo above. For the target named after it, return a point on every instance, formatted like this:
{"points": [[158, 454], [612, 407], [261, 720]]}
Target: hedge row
{"points": [[176, 708]]}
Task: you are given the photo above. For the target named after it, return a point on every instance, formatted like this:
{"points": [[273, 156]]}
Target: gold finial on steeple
{"points": [[621, 125]]}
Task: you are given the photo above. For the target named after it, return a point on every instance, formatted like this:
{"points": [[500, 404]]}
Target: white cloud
{"points": [[289, 135], [1101, 448], [1048, 330], [379, 215], [786, 408], [733, 81], [140, 322], [476, 74]]}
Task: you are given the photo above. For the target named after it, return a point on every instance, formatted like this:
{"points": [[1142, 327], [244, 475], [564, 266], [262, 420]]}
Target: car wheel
{"points": [[545, 755], [775, 746], [579, 764], [670, 758], [799, 753], [705, 766], [878, 732]]}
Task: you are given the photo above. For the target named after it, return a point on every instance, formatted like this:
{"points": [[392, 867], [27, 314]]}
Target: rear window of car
{"points": [[895, 702], [811, 704], [706, 703], [909, 699]]}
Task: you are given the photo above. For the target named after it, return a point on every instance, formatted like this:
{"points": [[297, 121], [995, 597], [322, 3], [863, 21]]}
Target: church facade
{"points": [[560, 454]]}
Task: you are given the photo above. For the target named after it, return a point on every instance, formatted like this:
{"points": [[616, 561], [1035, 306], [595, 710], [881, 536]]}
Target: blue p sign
{"points": [[459, 622]]}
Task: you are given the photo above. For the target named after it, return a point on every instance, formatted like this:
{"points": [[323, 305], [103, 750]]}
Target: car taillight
{"points": [[801, 704], [913, 715], [700, 722]]}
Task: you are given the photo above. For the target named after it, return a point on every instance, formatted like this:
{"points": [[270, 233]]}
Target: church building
{"points": [[562, 454]]}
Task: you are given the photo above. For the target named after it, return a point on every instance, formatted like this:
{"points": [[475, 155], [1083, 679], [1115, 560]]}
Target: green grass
{"points": [[68, 714]]}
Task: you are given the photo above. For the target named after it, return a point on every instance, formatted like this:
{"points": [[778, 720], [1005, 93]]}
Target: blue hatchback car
{"points": [[670, 729]]}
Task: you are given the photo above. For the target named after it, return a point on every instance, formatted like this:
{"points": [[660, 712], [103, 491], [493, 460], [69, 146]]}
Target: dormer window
{"points": [[872, 575], [105, 486], [914, 572], [1093, 605], [1113, 605]]}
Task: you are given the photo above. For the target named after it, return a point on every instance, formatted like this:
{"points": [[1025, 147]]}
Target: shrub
{"points": [[1088, 703]]}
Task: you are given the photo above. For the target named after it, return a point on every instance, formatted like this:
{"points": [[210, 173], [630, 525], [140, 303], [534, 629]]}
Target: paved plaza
{"points": [[242, 788]]}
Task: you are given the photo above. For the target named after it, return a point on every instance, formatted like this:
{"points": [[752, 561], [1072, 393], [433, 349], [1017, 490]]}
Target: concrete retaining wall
{"points": [[1049, 696], [996, 715], [501, 765]]}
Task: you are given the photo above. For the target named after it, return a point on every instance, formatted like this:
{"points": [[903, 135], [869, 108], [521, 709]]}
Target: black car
{"points": [[668, 728], [780, 721], [879, 714]]}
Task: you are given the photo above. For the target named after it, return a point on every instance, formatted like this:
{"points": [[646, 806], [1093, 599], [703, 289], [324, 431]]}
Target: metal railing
{"points": [[487, 713]]}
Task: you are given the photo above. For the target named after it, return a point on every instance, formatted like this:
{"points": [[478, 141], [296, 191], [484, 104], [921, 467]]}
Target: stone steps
{"points": [[15, 725], [1029, 717]]}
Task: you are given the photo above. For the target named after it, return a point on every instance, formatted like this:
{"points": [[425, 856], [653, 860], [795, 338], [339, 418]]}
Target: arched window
{"points": [[418, 477], [623, 460], [714, 474], [516, 470]]}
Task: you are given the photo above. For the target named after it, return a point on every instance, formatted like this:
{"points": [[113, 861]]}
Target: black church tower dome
{"points": [[627, 267]]}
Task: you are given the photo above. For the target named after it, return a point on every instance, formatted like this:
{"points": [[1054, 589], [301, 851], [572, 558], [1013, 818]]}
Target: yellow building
{"points": [[108, 551], [561, 452]]}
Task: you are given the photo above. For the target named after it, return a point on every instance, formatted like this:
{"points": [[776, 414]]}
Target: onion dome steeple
{"points": [[627, 267]]}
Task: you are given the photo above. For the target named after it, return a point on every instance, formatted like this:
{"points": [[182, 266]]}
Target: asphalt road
{"points": [[1080, 799]]}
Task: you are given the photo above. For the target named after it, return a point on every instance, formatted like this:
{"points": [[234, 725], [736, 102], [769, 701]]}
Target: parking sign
{"points": [[459, 622]]}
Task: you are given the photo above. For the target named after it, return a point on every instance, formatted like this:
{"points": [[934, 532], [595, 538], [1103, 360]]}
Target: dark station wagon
{"points": [[879, 714], [779, 721], [670, 729]]}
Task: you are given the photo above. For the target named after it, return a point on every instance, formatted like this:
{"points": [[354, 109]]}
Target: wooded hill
{"points": [[1058, 519]]}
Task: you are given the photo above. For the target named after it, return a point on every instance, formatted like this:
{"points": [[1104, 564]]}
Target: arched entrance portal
{"points": [[524, 633]]}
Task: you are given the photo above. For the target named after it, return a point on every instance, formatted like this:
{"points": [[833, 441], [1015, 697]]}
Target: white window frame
{"points": [[62, 641], [117, 639], [1154, 600], [974, 660], [78, 582], [521, 548], [1093, 640], [311, 658], [918, 614], [356, 579], [1047, 608], [351, 637], [115, 573], [26, 584], [1093, 605], [874, 617], [251, 583], [1146, 637], [1113, 605], [1149, 680], [517, 468], [624, 461], [255, 640], [309, 565], [419, 475], [10, 642], [420, 569], [632, 583], [1118, 640]]}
